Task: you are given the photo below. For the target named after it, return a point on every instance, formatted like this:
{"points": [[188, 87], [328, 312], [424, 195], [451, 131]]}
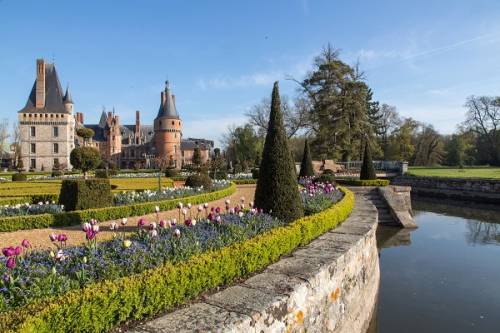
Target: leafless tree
{"points": [[4, 135], [295, 116], [16, 142], [483, 118]]}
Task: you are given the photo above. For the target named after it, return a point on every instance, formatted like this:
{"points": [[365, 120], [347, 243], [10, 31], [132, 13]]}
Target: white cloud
{"points": [[255, 79]]}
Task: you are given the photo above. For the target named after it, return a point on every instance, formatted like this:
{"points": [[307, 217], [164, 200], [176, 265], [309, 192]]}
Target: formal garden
{"points": [[153, 241]]}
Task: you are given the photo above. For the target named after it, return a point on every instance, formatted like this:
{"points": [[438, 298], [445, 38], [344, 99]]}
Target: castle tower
{"points": [[46, 122], [168, 129]]}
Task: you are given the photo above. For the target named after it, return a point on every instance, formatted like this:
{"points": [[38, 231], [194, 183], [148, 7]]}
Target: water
{"points": [[444, 276]]}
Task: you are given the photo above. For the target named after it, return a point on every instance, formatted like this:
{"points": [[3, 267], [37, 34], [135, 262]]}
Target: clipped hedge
{"points": [[244, 181], [101, 306], [19, 177], [358, 182], [80, 194], [14, 201], [76, 217]]}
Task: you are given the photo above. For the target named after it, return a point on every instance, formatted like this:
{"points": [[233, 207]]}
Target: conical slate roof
{"points": [[67, 96], [54, 100], [168, 109]]}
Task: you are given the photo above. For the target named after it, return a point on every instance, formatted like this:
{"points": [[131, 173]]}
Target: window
{"points": [[56, 148], [33, 163], [55, 131], [33, 148], [56, 161], [32, 131]]}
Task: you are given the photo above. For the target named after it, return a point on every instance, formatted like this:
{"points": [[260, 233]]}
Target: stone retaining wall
{"points": [[331, 285], [474, 189]]}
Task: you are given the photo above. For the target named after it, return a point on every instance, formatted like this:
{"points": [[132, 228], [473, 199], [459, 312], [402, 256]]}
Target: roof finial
{"points": [[167, 85]]}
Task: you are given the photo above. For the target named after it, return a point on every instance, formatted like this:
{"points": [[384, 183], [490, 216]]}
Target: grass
{"points": [[449, 172], [19, 189]]}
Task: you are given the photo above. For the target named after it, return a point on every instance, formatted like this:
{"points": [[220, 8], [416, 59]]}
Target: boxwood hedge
{"points": [[76, 217], [101, 306], [359, 182]]}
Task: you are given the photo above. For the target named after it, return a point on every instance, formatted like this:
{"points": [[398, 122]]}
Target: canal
{"points": [[444, 276]]}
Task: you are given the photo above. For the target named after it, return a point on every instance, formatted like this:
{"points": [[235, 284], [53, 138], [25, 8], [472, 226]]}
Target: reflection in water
{"points": [[445, 277]]}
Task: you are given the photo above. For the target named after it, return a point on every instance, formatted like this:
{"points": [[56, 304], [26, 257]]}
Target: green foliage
{"points": [[85, 158], [367, 169], [359, 182], [85, 133], [244, 146], [244, 181], [328, 172], [196, 156], [306, 167], [255, 173], [101, 173], [219, 174], [19, 177], [198, 180], [84, 194], [325, 178], [171, 172], [104, 214], [276, 190], [106, 304], [56, 173]]}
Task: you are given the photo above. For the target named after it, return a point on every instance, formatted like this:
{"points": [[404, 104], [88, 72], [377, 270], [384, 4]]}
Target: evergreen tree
{"points": [[277, 191], [306, 167], [367, 169], [196, 157]]}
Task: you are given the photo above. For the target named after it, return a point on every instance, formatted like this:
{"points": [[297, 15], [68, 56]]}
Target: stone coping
{"points": [[339, 271]]}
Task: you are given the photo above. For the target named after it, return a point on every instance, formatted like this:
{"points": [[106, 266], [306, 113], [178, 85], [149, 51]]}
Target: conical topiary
{"points": [[367, 169], [306, 166], [277, 189]]}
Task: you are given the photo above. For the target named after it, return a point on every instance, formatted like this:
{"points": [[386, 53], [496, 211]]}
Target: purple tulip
{"points": [[62, 237], [163, 224], [90, 235], [9, 251], [217, 210], [141, 223], [86, 227], [18, 250], [25, 243], [11, 263], [53, 237]]}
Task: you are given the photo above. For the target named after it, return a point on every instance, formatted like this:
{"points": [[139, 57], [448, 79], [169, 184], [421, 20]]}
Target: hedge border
{"points": [[359, 182], [244, 181], [27, 222], [101, 306]]}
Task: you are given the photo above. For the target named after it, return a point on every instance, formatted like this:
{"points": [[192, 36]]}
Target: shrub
{"points": [[56, 173], [199, 180], [306, 167], [244, 181], [276, 190], [360, 182], [220, 174], [84, 194], [19, 177], [108, 303], [255, 173], [328, 172], [325, 178], [85, 159], [171, 172], [101, 173], [367, 169]]}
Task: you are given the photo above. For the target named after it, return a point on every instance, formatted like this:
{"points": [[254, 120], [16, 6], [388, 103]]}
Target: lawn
{"points": [[20, 189], [479, 172]]}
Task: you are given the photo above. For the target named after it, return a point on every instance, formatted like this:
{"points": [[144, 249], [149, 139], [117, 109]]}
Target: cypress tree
{"points": [[277, 189], [367, 169], [306, 167]]}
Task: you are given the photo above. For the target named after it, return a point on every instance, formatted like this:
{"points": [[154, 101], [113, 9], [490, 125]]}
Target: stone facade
{"points": [[46, 123], [473, 189], [331, 285]]}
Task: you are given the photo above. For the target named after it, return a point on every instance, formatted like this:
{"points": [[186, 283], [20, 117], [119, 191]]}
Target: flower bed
{"points": [[241, 175], [103, 214], [31, 209], [130, 197], [318, 196], [183, 271], [359, 182]]}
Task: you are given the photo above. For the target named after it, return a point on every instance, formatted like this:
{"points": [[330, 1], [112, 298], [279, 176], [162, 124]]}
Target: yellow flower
{"points": [[127, 243]]}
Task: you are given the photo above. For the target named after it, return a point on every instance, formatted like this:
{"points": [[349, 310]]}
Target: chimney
{"points": [[137, 118], [40, 84], [81, 118]]}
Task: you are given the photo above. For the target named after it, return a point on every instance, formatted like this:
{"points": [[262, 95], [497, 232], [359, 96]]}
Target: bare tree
{"points": [[483, 118], [4, 135], [295, 117], [16, 142]]}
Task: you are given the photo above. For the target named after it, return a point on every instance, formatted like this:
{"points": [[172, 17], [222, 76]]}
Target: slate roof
{"points": [[168, 110], [191, 144], [67, 96], [54, 99]]}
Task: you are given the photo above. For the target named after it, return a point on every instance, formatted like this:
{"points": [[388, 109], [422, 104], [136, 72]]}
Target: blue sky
{"points": [[424, 57]]}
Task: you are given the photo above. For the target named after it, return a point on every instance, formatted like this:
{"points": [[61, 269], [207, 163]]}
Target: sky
{"points": [[222, 57]]}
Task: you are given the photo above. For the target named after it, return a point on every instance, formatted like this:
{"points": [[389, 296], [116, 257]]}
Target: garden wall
{"points": [[331, 285], [473, 189]]}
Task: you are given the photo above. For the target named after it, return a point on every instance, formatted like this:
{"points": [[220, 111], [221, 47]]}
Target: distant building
{"points": [[48, 131]]}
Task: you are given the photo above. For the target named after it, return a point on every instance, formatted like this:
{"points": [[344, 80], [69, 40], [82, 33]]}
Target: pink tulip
{"points": [[9, 251], [25, 243], [141, 223], [62, 237], [86, 227], [53, 237], [163, 224], [18, 250]]}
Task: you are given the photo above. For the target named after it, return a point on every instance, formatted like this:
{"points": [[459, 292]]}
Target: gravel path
{"points": [[39, 238]]}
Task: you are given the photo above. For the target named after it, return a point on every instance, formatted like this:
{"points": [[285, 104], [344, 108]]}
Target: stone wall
{"points": [[474, 189], [331, 285]]}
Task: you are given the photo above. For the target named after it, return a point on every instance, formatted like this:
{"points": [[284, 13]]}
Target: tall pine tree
{"points": [[277, 189], [306, 167]]}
